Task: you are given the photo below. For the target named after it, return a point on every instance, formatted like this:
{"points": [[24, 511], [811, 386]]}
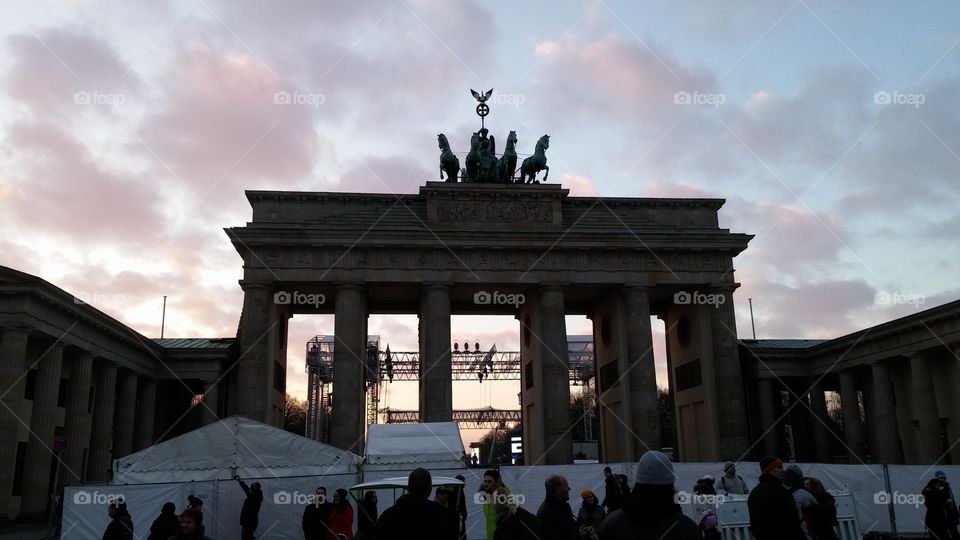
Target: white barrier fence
{"points": [[879, 497]]}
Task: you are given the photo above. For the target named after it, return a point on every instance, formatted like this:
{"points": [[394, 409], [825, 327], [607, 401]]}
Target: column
{"points": [[821, 433], [731, 403], [558, 445], [350, 329], [253, 384], [436, 372], [101, 437], [13, 354], [768, 417], [126, 414], [925, 409], [886, 442], [641, 373], [43, 421], [77, 422], [953, 357], [210, 408], [852, 425], [146, 411]]}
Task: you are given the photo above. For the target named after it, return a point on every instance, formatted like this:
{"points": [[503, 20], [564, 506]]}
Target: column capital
{"points": [[443, 285], [246, 285], [14, 330]]}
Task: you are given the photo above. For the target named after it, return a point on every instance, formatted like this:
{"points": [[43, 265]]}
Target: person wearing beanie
{"points": [[651, 510], [591, 514], [555, 515], [773, 514], [449, 517], [731, 483], [166, 524], [803, 499], [191, 526]]}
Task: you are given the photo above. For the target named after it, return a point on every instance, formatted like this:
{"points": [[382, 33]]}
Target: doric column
{"points": [[77, 423], [209, 409], [852, 425], [101, 438], [642, 373], [146, 411], [768, 418], [925, 409], [253, 385], [731, 404], [821, 433], [126, 413], [349, 366], [43, 421], [13, 354], [436, 372], [886, 434], [558, 445]]}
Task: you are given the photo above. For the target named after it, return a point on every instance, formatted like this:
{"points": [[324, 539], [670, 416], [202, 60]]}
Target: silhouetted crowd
{"points": [[784, 505]]}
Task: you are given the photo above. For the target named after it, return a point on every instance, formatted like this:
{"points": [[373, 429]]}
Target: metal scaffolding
{"points": [[468, 364], [486, 417]]}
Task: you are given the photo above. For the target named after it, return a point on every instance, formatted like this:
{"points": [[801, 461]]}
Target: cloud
{"points": [[58, 72]]}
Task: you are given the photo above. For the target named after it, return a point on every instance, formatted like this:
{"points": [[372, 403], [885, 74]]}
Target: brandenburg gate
{"points": [[465, 248]]}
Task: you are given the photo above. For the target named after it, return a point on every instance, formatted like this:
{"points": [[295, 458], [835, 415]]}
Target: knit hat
{"points": [[586, 493], [793, 476], [655, 468], [939, 474], [707, 478], [727, 465], [769, 463]]}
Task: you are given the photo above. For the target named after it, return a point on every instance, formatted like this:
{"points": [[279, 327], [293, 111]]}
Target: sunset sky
{"points": [[130, 131]]}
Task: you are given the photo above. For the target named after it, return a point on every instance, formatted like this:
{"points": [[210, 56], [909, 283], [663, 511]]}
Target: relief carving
{"points": [[495, 211]]}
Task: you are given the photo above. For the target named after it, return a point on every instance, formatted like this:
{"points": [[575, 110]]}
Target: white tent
{"points": [[431, 445], [233, 446]]}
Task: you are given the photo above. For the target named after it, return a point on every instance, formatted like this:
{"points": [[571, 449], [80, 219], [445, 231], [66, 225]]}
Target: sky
{"points": [[130, 130]]}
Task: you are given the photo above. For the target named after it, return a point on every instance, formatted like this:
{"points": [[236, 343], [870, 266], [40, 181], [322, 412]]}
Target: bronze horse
{"points": [[448, 162], [508, 162], [536, 163]]}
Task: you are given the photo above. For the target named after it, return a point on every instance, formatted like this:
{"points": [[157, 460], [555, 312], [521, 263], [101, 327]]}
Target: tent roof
{"points": [[233, 445], [436, 443]]}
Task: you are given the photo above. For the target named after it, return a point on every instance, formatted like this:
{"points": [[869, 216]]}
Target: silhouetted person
{"points": [[773, 512], [414, 516], [316, 516], [166, 524], [651, 511], [250, 513], [121, 526], [367, 520], [341, 517]]}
